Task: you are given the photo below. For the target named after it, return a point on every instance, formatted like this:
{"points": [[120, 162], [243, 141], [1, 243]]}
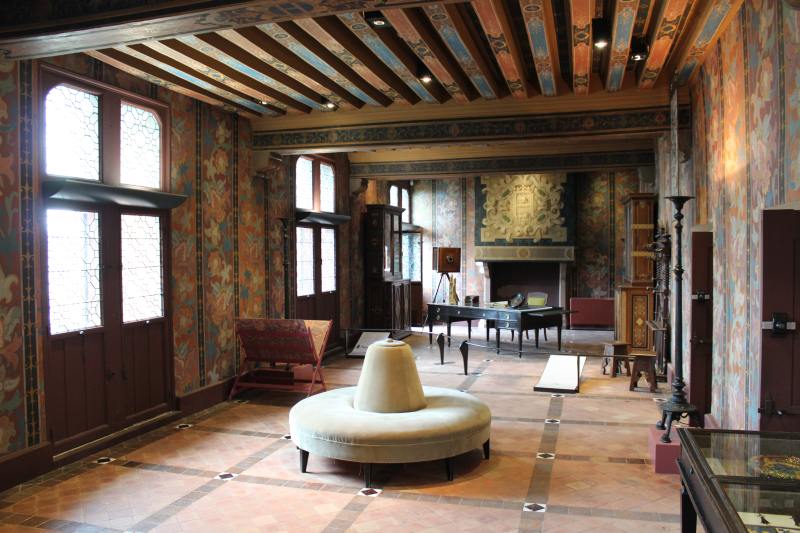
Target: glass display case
{"points": [[743, 481]]}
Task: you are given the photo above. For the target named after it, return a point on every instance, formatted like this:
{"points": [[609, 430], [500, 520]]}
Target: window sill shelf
{"points": [[100, 193]]}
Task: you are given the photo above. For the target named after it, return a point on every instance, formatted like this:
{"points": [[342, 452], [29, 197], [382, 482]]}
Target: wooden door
{"points": [[106, 365], [780, 347], [702, 321]]}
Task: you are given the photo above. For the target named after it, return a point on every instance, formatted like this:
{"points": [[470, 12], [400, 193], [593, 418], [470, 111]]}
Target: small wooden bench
{"points": [[643, 362], [615, 352]]}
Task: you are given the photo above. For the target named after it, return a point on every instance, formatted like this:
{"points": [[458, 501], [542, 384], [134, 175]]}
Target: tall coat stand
{"points": [[677, 407]]}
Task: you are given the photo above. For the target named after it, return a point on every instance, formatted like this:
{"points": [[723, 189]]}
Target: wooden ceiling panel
{"points": [[620, 46], [497, 28], [452, 28], [540, 24], [405, 71], [643, 15], [580, 28], [332, 33], [665, 34], [280, 35], [414, 28], [142, 69], [196, 79], [290, 74]]}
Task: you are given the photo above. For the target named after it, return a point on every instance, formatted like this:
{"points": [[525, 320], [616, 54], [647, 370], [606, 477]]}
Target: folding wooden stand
{"points": [[271, 341]]}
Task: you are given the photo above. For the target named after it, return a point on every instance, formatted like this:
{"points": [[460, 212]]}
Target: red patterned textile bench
{"points": [[290, 341], [592, 313]]}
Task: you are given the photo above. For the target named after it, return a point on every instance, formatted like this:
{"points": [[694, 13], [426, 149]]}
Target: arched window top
{"points": [[72, 133], [140, 147]]}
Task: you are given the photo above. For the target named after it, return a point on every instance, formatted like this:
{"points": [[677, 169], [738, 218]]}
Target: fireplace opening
{"points": [[507, 278]]}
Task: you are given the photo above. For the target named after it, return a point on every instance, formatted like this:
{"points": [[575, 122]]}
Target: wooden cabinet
{"points": [[640, 213], [633, 307], [388, 296], [633, 301]]}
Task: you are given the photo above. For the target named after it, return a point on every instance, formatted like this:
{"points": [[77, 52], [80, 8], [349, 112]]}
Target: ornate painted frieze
{"points": [[465, 130]]}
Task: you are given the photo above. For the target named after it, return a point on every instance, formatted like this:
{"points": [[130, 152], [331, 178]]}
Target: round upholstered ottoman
{"points": [[389, 417]]}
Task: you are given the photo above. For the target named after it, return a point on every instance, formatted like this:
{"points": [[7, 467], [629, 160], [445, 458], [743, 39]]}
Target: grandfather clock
{"points": [[633, 300]]}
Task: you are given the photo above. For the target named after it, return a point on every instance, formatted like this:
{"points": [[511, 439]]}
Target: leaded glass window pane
{"points": [[72, 133], [304, 195], [393, 200], [406, 205], [73, 270], [412, 256], [142, 275], [305, 261], [328, 251], [327, 188], [140, 147]]}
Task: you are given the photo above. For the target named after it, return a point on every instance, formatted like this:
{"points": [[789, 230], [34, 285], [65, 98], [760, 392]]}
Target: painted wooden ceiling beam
{"points": [[191, 77], [580, 31], [334, 35], [451, 26], [709, 20], [142, 69], [285, 39], [322, 52], [395, 55], [497, 27], [643, 15], [214, 51], [273, 48], [624, 13], [541, 27], [414, 28], [664, 36], [104, 24], [221, 77], [236, 40]]}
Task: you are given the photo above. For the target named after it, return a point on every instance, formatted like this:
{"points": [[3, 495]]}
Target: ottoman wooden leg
{"points": [[448, 467], [303, 460], [634, 375], [486, 449], [367, 474]]}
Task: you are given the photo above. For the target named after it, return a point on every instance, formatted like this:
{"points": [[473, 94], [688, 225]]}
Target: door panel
{"points": [[143, 369], [780, 352], [701, 333]]}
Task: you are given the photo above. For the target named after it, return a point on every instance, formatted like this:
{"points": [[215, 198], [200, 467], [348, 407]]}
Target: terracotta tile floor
{"points": [[599, 480]]}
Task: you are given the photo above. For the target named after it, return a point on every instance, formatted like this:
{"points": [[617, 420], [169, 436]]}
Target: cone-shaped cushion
{"points": [[389, 382]]}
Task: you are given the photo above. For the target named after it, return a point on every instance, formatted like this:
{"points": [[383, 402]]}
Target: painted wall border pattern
{"points": [[540, 163], [645, 120], [198, 191], [27, 215]]}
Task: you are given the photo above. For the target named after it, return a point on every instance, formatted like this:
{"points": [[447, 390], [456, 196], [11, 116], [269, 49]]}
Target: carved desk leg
{"points": [[464, 349], [440, 343]]}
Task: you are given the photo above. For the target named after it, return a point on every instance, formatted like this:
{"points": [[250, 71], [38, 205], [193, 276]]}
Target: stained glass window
{"points": [[73, 270], [142, 276], [406, 205], [140, 147], [305, 261], [304, 179], [72, 133], [328, 251], [393, 199], [327, 188]]}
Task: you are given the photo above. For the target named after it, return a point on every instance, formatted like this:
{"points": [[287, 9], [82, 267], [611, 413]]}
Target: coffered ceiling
{"points": [[324, 57]]}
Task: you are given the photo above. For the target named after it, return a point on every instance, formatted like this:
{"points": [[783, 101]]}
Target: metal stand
{"points": [[439, 286], [677, 407]]}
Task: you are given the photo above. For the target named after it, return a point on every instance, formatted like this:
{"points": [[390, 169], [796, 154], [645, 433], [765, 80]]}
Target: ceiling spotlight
{"points": [[600, 33], [329, 104], [639, 49], [376, 19], [425, 78]]}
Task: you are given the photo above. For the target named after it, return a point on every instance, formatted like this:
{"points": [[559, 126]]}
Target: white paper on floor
{"points": [[562, 374], [367, 338]]}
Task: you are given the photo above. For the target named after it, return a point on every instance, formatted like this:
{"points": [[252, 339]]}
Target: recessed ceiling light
{"points": [[601, 34], [639, 49], [376, 19], [426, 78], [329, 104]]}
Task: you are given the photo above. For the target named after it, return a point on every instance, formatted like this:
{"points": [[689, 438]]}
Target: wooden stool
{"points": [[644, 362], [615, 352]]}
